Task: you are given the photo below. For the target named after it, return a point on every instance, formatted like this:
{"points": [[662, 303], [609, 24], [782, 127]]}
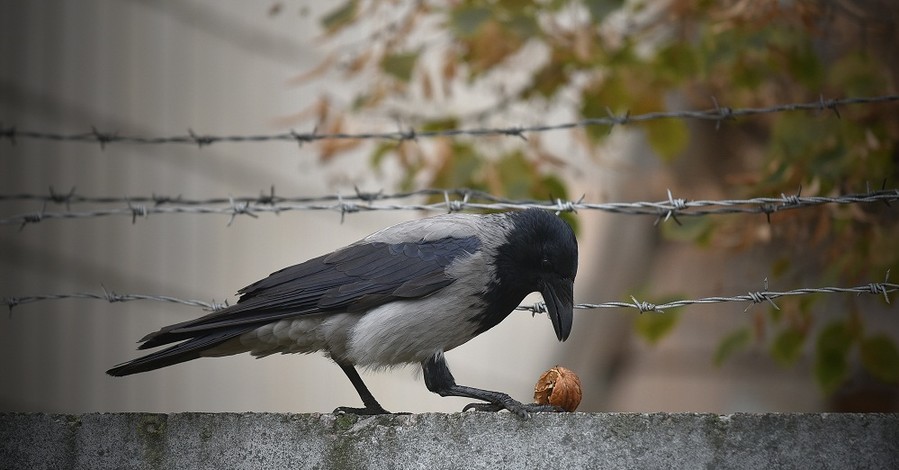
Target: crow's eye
{"points": [[545, 264]]}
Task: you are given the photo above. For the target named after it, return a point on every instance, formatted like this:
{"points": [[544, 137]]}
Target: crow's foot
{"points": [[523, 410]]}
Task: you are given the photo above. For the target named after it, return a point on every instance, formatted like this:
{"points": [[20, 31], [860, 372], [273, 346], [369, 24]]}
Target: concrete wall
{"points": [[466, 440]]}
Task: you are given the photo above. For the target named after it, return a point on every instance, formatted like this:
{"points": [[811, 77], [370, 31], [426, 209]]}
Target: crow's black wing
{"points": [[353, 279]]}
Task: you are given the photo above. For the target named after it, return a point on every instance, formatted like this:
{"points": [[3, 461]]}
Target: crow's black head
{"points": [[539, 254]]}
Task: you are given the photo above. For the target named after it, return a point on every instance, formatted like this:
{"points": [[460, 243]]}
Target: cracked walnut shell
{"points": [[558, 387]]}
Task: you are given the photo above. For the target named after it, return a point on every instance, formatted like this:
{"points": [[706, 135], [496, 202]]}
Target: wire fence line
{"points": [[112, 297], [884, 288], [454, 200], [877, 288], [718, 114]]}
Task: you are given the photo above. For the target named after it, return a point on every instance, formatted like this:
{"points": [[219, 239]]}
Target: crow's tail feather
{"points": [[181, 352]]}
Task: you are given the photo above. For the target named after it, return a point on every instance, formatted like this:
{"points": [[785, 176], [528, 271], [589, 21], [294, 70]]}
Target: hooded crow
{"points": [[403, 295]]}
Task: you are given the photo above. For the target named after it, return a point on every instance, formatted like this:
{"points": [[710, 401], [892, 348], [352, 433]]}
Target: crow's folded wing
{"points": [[353, 279]]}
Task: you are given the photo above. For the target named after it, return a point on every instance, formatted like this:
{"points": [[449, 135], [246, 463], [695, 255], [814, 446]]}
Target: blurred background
{"points": [[224, 68]]}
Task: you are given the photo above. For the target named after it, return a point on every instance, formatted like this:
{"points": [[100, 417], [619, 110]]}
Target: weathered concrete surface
{"points": [[465, 440]]}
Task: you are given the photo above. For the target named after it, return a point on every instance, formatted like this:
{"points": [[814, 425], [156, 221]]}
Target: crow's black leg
{"points": [[372, 407], [439, 380]]}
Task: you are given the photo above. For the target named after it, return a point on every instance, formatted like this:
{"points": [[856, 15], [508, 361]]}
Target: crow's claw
{"points": [[521, 409], [361, 411]]}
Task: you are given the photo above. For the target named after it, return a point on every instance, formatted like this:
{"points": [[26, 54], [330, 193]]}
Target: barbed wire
{"points": [[112, 297], [718, 114], [265, 197], [877, 288], [465, 199]]}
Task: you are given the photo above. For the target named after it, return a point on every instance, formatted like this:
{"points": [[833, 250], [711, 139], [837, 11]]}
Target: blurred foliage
{"points": [[592, 57]]}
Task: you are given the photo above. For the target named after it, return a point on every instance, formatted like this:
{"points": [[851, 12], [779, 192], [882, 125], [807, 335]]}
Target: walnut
{"points": [[559, 387]]}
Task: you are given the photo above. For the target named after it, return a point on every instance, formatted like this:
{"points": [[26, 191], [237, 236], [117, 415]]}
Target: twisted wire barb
{"points": [[877, 288], [111, 297], [269, 203], [717, 113]]}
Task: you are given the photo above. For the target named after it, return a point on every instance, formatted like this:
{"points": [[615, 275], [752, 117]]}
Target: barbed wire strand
{"points": [[877, 288], [718, 114], [265, 197], [670, 208], [112, 297]]}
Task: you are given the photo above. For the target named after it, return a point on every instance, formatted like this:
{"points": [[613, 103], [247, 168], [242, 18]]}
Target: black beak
{"points": [[559, 297]]}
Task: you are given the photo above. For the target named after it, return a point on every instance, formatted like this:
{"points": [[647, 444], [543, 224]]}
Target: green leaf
{"points": [[831, 361], [517, 174], [460, 168], [366, 100], [548, 80], [655, 326], [676, 62], [381, 151], [857, 74], [780, 266], [440, 124], [400, 65], [668, 137], [805, 66], [599, 9], [776, 314], [340, 17], [523, 24], [691, 229], [596, 101], [881, 358], [787, 346], [466, 20], [552, 186], [732, 343]]}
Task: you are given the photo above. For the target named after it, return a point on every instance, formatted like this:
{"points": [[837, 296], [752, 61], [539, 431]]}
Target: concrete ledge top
{"points": [[461, 440]]}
